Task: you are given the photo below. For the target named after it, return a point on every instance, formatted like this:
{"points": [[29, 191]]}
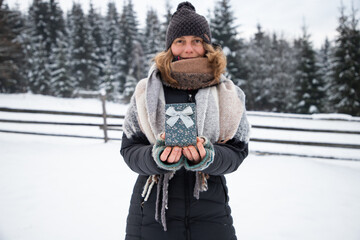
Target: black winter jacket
{"points": [[187, 218]]}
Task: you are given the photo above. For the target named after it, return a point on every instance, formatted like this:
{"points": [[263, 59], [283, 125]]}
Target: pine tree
{"points": [[129, 87], [309, 85], [345, 92], [96, 30], [112, 72], [270, 66], [109, 82], [39, 15], [165, 24], [325, 73], [284, 65], [38, 48], [130, 54], [112, 34], [83, 57], [11, 51], [40, 73], [62, 84], [224, 32], [152, 37], [256, 60], [56, 24]]}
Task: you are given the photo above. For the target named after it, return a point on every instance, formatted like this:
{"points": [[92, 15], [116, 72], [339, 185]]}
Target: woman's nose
{"points": [[188, 48]]}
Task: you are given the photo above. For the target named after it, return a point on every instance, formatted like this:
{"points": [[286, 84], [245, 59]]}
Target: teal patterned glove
{"points": [[206, 161], [157, 150]]}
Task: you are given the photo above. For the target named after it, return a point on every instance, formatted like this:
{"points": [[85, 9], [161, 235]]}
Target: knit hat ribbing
{"points": [[186, 22]]}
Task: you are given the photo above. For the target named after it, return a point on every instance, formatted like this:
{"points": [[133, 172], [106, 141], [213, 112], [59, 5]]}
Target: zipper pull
{"points": [[190, 97]]}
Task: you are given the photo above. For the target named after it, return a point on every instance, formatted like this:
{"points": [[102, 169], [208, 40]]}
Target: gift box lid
{"points": [[180, 124]]}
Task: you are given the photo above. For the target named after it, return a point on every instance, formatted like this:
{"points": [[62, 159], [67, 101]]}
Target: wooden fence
{"points": [[106, 127], [118, 127]]}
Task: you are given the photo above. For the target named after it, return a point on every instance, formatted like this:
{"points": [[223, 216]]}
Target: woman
{"points": [[181, 192]]}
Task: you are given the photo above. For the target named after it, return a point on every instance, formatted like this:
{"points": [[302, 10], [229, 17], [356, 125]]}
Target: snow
{"points": [[33, 101], [334, 116], [67, 188]]}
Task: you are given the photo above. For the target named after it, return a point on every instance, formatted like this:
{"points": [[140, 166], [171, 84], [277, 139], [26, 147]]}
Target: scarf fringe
{"points": [[201, 184], [162, 182]]}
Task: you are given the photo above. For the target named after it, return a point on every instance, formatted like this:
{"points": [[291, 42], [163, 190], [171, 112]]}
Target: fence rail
{"points": [[305, 129], [18, 110], [344, 117], [104, 126], [59, 123], [307, 143], [55, 135]]}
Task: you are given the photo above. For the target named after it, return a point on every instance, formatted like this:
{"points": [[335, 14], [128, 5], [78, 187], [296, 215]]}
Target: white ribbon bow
{"points": [[183, 115]]}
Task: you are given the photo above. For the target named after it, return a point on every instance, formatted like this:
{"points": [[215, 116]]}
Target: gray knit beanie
{"points": [[186, 22]]}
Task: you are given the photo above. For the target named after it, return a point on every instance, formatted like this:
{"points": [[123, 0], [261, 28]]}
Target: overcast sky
{"points": [[285, 17]]}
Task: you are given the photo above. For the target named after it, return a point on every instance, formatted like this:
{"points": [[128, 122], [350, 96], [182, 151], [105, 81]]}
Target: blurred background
{"points": [[68, 69], [288, 56]]}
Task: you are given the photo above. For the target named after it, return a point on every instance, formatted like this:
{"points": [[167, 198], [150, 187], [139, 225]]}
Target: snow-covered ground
{"points": [[67, 188]]}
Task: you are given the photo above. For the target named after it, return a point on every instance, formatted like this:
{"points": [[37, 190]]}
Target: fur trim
{"points": [[194, 73], [192, 65]]}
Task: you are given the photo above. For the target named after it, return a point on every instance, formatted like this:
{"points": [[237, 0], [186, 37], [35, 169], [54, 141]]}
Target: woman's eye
{"points": [[197, 41]]}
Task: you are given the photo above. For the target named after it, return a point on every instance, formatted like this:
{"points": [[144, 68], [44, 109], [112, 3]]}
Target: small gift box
{"points": [[180, 124]]}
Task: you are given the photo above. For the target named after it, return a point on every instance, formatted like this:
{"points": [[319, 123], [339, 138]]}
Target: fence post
{"points": [[103, 100]]}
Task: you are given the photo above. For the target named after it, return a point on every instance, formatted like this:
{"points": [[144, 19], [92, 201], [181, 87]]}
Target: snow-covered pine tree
{"points": [[284, 65], [38, 48], [129, 87], [165, 23], [39, 15], [97, 32], [11, 51], [111, 79], [324, 57], [109, 82], [345, 91], [224, 32], [130, 54], [56, 24], [308, 84], [62, 84], [39, 73], [256, 62], [82, 48], [270, 65], [152, 38], [112, 34]]}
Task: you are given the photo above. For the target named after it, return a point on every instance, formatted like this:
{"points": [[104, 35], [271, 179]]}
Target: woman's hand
{"points": [[170, 154], [195, 155]]}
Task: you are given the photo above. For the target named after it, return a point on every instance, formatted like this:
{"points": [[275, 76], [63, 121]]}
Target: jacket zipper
{"points": [[191, 99], [187, 205]]}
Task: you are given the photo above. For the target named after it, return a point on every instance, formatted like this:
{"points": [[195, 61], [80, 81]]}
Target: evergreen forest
{"points": [[51, 52]]}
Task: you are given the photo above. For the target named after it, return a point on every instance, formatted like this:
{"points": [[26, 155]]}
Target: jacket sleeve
{"points": [[228, 157], [137, 153]]}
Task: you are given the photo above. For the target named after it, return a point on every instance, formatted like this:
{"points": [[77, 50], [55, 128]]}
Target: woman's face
{"points": [[188, 47]]}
